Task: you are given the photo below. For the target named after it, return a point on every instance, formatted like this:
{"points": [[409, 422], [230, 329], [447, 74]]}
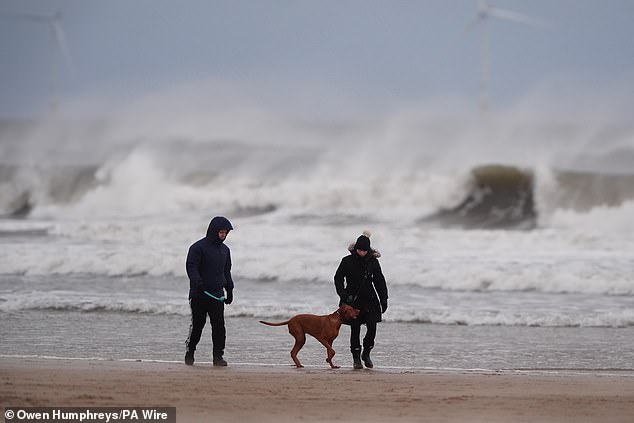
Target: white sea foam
{"points": [[272, 247], [125, 199], [223, 149]]}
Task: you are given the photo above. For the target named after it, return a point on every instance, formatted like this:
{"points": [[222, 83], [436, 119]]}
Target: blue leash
{"points": [[222, 298]]}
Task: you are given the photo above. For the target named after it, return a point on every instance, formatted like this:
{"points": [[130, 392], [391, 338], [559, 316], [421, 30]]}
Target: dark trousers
{"points": [[355, 335], [201, 308]]}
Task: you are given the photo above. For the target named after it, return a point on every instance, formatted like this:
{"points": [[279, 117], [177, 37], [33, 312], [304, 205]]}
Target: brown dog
{"points": [[324, 328]]}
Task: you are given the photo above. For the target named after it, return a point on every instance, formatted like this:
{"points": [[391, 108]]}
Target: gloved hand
{"points": [[229, 297], [345, 299], [383, 306]]}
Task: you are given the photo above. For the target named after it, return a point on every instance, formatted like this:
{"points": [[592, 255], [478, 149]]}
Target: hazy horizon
{"points": [[312, 59]]}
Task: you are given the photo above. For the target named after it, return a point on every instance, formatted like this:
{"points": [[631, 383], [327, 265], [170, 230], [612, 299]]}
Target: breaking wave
{"points": [[227, 149], [491, 196], [510, 197]]}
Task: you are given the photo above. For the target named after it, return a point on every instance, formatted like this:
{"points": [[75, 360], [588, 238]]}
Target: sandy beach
{"points": [[248, 393]]}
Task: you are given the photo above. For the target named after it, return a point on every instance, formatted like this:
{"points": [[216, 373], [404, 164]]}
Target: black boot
{"points": [[366, 357], [219, 361], [189, 357], [356, 358]]}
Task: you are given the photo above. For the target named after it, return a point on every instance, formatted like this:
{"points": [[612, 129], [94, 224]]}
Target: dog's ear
{"points": [[352, 312]]}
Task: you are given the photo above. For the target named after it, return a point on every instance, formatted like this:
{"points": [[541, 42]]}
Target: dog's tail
{"points": [[274, 324]]}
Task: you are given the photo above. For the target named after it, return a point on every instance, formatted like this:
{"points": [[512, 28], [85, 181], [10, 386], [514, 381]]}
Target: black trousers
{"points": [[201, 308], [355, 335]]}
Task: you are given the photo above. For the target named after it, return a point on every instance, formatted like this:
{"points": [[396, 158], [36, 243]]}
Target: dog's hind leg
{"points": [[300, 340]]}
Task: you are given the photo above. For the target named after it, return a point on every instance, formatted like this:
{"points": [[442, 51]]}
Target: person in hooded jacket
{"points": [[209, 270], [360, 283]]}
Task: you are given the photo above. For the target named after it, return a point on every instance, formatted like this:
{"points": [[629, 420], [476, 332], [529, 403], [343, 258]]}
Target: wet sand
{"points": [[252, 393]]}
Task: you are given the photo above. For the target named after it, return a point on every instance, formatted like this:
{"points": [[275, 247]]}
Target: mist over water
{"points": [[528, 205], [210, 145]]}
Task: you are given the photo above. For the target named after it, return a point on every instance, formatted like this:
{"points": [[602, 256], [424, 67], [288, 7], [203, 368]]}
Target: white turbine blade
{"points": [[60, 40], [470, 26], [483, 7], [510, 15], [27, 17]]}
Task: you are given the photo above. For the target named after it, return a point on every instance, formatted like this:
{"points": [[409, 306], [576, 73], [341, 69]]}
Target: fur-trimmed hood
{"points": [[375, 253]]}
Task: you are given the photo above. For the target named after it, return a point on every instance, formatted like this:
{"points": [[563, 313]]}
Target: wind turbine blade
{"points": [[510, 15], [470, 26], [60, 40], [26, 17]]}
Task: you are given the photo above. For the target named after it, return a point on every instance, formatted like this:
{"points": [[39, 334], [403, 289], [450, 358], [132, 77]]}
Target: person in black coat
{"points": [[359, 282], [209, 270]]}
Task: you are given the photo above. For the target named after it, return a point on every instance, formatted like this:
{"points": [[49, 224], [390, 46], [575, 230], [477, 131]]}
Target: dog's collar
{"points": [[341, 316]]}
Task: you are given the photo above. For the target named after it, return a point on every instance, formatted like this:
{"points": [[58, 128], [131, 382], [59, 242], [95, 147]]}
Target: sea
{"points": [[507, 240]]}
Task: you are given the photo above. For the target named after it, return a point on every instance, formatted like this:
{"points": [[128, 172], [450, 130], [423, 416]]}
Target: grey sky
{"points": [[390, 53]]}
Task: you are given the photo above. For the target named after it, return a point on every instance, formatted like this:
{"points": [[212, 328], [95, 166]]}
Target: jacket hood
{"points": [[217, 223], [363, 242], [375, 253]]}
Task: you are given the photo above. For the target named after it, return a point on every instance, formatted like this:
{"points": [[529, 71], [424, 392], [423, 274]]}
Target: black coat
{"points": [[361, 280], [209, 263]]}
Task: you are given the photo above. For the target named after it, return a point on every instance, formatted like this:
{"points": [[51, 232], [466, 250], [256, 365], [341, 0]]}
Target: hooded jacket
{"points": [[209, 262], [359, 281]]}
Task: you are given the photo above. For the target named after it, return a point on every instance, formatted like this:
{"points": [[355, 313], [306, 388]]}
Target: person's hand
{"points": [[346, 299], [383, 306], [229, 298]]}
